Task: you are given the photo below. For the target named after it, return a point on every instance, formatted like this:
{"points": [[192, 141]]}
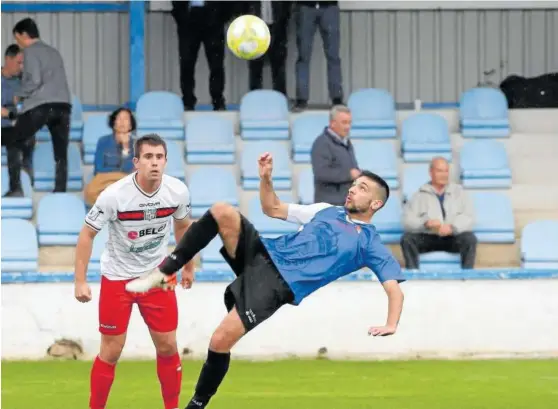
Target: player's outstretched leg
{"points": [[227, 334], [221, 218]]}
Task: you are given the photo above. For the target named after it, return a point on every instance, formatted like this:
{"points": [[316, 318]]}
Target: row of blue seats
{"points": [[484, 164], [264, 114], [61, 225], [60, 215]]}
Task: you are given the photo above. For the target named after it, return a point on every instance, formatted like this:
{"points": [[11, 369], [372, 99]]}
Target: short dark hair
{"points": [[151, 139], [12, 50], [382, 184], [114, 114], [28, 26]]}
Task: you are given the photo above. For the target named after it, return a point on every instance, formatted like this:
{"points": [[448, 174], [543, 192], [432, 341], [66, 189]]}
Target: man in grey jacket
{"points": [[439, 217], [333, 159], [46, 101]]}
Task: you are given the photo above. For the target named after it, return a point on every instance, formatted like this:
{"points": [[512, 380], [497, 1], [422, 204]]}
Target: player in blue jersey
{"points": [[332, 242]]}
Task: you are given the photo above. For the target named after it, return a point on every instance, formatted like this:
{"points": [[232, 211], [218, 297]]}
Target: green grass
{"points": [[317, 384]]}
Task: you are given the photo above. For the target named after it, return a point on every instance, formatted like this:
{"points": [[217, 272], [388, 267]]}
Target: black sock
{"points": [[213, 371], [198, 236]]}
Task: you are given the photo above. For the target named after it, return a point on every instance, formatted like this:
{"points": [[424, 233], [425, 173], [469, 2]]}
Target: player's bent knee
{"points": [[223, 339], [224, 213], [111, 347]]}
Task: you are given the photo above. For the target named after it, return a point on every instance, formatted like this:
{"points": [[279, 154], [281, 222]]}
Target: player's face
{"points": [[14, 65], [151, 162], [363, 196]]}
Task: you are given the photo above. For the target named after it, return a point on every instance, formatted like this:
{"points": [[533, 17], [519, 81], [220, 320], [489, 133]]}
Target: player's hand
{"points": [[265, 166], [355, 173], [187, 276], [170, 283], [82, 292], [382, 331], [433, 224], [445, 230]]}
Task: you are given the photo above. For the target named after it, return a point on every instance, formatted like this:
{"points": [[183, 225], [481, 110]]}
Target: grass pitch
{"points": [[316, 384]]}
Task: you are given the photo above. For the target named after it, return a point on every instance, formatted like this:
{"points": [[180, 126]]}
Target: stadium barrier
{"points": [[475, 315]]}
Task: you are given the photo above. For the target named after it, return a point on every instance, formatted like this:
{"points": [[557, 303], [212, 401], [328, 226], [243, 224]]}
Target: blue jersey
{"points": [[328, 246]]}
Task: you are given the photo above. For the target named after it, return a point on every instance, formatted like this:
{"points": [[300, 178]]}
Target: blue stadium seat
{"points": [[484, 164], [484, 113], [209, 185], [210, 139], [281, 165], [539, 241], [378, 157], [373, 114], [17, 207], [98, 247], [414, 177], [95, 127], [439, 261], [4, 156], [160, 112], [20, 250], [59, 219], [268, 226], [43, 167], [76, 124], [494, 221], [264, 114], [424, 136], [212, 260], [388, 220], [305, 190], [175, 161], [305, 129]]}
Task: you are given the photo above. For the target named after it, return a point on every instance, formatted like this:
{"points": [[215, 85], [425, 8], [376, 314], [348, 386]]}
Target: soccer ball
{"points": [[248, 37]]}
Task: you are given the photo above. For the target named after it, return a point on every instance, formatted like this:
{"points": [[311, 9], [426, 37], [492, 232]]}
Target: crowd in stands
{"points": [[436, 222]]}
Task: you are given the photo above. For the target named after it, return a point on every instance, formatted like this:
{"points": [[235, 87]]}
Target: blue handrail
{"points": [[136, 11]]}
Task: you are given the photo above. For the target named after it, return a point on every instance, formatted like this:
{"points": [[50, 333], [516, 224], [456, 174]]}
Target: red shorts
{"points": [[158, 308]]}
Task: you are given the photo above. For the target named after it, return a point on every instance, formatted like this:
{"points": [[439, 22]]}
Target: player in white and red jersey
{"points": [[138, 211]]}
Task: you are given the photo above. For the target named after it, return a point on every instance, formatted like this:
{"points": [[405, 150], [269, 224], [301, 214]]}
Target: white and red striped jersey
{"points": [[139, 224]]}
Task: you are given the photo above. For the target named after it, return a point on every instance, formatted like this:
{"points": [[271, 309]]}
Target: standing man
{"points": [[323, 15], [13, 62], [138, 212], [200, 22], [333, 159], [439, 217], [46, 101], [276, 15]]}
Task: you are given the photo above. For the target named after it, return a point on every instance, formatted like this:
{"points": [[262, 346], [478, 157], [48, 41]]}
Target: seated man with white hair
{"points": [[439, 217]]}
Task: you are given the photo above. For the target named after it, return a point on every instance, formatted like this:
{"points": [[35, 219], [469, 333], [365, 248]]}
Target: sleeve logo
{"points": [[94, 213]]}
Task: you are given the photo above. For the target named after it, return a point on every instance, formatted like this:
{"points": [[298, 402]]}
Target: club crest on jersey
{"points": [[150, 214]]}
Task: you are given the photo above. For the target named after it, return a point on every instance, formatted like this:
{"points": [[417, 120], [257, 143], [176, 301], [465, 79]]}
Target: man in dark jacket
{"points": [[333, 159], [201, 22], [276, 14]]}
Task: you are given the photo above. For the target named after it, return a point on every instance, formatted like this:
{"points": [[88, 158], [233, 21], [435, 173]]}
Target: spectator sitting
{"points": [[439, 217], [333, 159], [114, 154]]}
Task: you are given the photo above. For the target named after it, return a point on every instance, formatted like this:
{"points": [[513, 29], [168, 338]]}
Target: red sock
{"points": [[169, 371], [102, 375]]}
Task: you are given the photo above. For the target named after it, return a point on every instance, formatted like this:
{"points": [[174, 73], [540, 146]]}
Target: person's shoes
{"points": [[14, 193], [153, 279], [300, 105], [219, 106], [337, 101]]}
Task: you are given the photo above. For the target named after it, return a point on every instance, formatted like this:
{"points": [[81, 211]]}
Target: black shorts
{"points": [[259, 290]]}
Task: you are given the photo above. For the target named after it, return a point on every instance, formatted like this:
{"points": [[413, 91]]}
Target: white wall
{"points": [[441, 319]]}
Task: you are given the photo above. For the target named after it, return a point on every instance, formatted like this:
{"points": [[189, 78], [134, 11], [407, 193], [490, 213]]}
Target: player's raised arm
{"points": [[271, 205]]}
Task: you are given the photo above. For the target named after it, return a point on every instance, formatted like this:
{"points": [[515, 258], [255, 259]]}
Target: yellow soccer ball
{"points": [[248, 37]]}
